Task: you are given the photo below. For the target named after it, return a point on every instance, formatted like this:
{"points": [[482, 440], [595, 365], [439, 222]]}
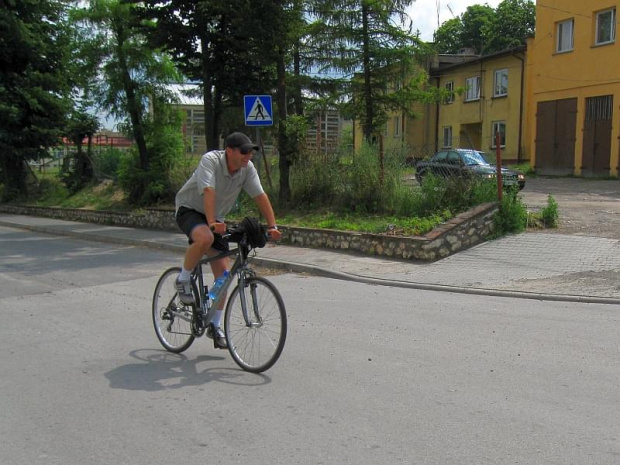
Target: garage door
{"points": [[597, 136], [556, 124]]}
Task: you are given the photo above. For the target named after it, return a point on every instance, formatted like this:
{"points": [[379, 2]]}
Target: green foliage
{"points": [[352, 186], [166, 151], [296, 128], [107, 162], [34, 87], [514, 21], [455, 194], [550, 214], [372, 41], [547, 217], [448, 36], [487, 30], [512, 214]]}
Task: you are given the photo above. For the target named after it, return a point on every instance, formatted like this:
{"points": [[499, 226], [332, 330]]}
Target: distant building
{"points": [[325, 132], [492, 101], [191, 103]]}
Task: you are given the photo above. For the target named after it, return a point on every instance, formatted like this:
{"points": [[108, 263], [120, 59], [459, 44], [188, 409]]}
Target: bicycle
{"points": [[255, 320]]}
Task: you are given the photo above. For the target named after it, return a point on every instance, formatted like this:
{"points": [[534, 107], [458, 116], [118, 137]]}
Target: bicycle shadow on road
{"points": [[159, 370]]}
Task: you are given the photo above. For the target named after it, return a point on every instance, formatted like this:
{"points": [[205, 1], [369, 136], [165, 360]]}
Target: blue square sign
{"points": [[258, 111]]}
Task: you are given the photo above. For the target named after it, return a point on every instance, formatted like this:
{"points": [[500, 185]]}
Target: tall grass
{"points": [[357, 185]]}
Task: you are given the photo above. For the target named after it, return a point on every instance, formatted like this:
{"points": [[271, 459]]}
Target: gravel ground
{"points": [[587, 207]]}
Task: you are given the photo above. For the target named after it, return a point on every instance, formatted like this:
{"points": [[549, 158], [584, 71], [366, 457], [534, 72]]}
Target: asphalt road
{"points": [[370, 374]]}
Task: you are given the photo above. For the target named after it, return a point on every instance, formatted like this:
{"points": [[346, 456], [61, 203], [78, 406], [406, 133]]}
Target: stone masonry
{"points": [[459, 233]]}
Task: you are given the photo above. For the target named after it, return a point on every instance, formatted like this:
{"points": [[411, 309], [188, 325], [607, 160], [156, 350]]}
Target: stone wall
{"points": [[463, 231]]}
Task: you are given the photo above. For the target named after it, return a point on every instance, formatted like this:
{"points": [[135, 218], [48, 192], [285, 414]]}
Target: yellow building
{"points": [[492, 100], [488, 95], [574, 87]]}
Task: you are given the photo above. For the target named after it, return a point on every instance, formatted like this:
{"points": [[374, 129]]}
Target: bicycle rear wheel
{"points": [[257, 346], [172, 319]]}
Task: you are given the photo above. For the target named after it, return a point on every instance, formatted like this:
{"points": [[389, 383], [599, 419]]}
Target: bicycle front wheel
{"points": [[256, 344], [172, 319]]}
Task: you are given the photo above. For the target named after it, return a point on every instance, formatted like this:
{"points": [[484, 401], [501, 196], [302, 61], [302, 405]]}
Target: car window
{"points": [[473, 157], [454, 158], [440, 157]]}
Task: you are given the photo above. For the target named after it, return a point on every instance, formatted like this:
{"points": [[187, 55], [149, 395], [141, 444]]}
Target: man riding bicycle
{"points": [[202, 204]]}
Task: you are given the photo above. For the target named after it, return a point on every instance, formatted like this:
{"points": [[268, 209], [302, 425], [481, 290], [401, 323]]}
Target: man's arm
{"points": [[209, 200], [264, 205]]}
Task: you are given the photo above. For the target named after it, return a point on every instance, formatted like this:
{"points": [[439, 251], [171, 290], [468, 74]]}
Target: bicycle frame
{"points": [[205, 306]]}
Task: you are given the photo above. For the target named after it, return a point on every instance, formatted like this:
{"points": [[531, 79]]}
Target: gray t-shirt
{"points": [[213, 172]]}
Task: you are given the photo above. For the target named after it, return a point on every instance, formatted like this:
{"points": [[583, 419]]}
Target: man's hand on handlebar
{"points": [[274, 234], [218, 228]]}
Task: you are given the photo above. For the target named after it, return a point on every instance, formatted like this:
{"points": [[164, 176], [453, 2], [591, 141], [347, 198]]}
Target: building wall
{"points": [[471, 119], [579, 72]]}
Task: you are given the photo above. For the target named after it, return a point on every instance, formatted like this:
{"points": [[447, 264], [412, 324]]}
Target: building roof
{"points": [[187, 94], [474, 59]]}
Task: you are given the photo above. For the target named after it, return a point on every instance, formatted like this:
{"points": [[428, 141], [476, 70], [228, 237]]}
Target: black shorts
{"points": [[188, 219]]}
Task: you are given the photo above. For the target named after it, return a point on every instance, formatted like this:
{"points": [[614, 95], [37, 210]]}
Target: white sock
{"points": [[217, 318], [185, 275]]}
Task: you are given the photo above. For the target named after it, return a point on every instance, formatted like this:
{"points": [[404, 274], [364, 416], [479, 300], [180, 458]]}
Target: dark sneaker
{"points": [[184, 289], [219, 339]]}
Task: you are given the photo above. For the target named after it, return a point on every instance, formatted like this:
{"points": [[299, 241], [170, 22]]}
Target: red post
{"points": [[498, 165]]}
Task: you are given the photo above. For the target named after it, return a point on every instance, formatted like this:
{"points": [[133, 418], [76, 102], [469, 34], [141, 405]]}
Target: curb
{"points": [[322, 272]]}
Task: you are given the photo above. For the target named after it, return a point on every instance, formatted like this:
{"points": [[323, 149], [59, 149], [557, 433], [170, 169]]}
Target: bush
{"points": [[550, 214], [165, 150], [107, 162], [512, 214], [455, 194]]}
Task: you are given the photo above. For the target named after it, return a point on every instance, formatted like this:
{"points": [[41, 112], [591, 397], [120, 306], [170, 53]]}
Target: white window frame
{"points": [[447, 137], [565, 36], [611, 25], [449, 86], [497, 126], [500, 87], [473, 89]]}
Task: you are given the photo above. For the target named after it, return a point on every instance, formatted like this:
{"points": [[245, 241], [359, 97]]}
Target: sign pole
{"points": [[259, 158]]}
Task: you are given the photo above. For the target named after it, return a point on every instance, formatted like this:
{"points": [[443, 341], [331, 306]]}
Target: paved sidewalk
{"points": [[531, 265]]}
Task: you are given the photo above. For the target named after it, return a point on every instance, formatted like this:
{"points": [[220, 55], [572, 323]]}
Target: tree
{"points": [[80, 125], [33, 86], [126, 74], [513, 22], [487, 30], [370, 42], [475, 23], [228, 46], [448, 36]]}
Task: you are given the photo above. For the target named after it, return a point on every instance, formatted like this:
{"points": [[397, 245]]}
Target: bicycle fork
{"points": [[257, 322]]}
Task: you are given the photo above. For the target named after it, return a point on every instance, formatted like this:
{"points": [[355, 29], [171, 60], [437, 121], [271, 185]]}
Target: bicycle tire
{"points": [[256, 348], [174, 333]]}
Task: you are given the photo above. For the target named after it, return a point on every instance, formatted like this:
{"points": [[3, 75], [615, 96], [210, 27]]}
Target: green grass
{"points": [[52, 193], [362, 223]]}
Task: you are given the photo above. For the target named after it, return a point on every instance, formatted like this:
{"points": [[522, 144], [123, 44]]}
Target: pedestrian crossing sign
{"points": [[258, 110]]}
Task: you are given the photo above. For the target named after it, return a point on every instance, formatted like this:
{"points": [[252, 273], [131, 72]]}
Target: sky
{"points": [[424, 13]]}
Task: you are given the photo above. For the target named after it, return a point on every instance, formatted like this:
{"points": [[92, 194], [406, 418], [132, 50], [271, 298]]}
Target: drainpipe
{"points": [[519, 150], [437, 106]]}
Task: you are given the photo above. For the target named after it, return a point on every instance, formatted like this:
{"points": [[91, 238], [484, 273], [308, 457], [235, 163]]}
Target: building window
{"points": [[447, 137], [473, 88], [397, 126], [565, 36], [501, 83], [499, 126], [449, 86], [606, 26]]}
